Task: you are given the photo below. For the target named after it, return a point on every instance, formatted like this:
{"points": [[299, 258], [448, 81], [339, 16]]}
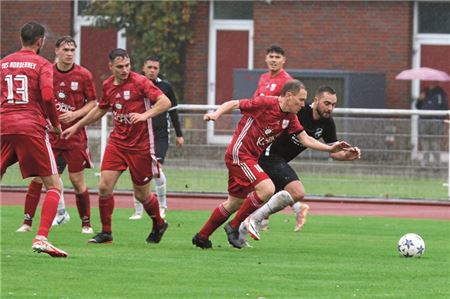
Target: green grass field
{"points": [[334, 257], [202, 180]]}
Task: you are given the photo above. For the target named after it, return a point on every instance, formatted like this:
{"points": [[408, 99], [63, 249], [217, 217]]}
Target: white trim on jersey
{"points": [[51, 157], [151, 140], [238, 144]]}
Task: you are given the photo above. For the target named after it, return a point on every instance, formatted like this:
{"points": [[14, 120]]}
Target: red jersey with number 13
{"points": [[23, 75]]}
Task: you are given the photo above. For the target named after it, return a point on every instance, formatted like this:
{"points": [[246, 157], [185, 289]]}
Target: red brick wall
{"points": [[56, 16], [197, 58], [360, 36]]}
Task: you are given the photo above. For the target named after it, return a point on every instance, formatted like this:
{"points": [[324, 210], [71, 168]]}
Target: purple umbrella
{"points": [[424, 74]]}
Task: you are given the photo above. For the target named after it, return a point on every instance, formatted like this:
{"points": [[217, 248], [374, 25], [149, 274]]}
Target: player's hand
{"points": [[69, 132], [57, 130], [179, 141], [67, 117], [137, 117], [340, 146], [353, 153], [210, 116]]}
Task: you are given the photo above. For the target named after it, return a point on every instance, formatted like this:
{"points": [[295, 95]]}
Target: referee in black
{"points": [[160, 125]]}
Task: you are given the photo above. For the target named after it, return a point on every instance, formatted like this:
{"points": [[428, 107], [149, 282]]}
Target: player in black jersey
{"points": [[317, 121], [160, 125]]}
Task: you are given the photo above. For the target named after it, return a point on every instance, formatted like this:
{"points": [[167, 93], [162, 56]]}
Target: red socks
{"points": [[106, 206], [251, 203], [217, 218], [84, 208], [49, 208], [151, 206], [31, 202]]}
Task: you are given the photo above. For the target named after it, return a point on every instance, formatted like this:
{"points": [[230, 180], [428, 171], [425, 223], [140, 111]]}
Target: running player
{"points": [[27, 100], [134, 100], [160, 124], [75, 94], [264, 119]]}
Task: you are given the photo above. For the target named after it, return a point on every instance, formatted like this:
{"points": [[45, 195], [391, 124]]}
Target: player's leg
{"points": [[138, 210], [62, 216], [82, 200], [301, 209], [31, 202], [218, 217], [161, 192]]}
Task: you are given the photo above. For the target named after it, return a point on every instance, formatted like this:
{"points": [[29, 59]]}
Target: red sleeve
{"points": [[89, 92], [150, 90], [104, 101], [295, 126], [256, 105], [48, 97]]}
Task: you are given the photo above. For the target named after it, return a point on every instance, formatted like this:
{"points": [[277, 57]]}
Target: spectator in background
{"points": [[160, 124], [431, 98]]}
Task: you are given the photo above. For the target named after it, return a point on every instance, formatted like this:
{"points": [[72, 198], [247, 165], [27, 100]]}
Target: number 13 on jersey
{"points": [[21, 88]]}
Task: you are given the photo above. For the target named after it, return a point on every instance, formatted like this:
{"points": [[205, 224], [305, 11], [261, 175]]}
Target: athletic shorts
{"points": [[279, 171], [76, 159], [243, 177], [143, 166], [35, 155], [162, 145]]}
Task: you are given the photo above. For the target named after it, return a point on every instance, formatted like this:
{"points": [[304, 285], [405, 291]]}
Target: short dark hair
{"points": [[325, 88], [66, 39], [274, 48], [152, 58], [293, 86], [31, 32], [118, 52]]}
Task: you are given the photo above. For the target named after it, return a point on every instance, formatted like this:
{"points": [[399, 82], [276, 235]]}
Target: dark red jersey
{"points": [[24, 75], [271, 86], [262, 122], [73, 89], [136, 95]]}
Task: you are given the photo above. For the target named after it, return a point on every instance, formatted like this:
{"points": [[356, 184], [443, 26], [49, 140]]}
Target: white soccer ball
{"points": [[411, 245]]}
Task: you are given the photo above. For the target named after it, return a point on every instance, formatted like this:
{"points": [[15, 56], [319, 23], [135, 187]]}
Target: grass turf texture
{"points": [[334, 257], [202, 180]]}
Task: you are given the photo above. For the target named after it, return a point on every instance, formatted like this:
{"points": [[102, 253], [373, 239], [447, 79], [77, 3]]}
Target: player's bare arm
{"points": [[162, 104], [70, 116], [312, 143], [224, 108], [95, 114], [350, 154]]}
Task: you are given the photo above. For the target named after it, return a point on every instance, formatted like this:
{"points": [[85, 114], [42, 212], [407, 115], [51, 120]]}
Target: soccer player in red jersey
{"points": [[27, 100], [264, 119], [271, 83], [75, 94], [134, 100]]}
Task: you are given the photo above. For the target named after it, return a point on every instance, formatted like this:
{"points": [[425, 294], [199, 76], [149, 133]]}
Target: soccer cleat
{"points": [[162, 212], [156, 234], [136, 216], [25, 228], [243, 236], [101, 238], [61, 219], [252, 228], [87, 230], [198, 241], [41, 244], [301, 217], [233, 236]]}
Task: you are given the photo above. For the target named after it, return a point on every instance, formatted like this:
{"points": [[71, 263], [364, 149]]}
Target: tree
{"points": [[159, 28]]}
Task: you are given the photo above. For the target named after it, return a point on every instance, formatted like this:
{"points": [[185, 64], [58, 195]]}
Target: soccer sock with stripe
{"points": [[151, 206], [84, 207], [251, 203], [217, 218], [31, 202], [161, 189], [276, 203]]}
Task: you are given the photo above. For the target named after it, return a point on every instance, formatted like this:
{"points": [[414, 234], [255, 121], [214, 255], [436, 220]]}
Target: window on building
{"points": [[434, 17], [233, 10]]}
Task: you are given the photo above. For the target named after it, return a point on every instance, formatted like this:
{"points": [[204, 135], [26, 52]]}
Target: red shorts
{"points": [[77, 159], [243, 177], [35, 155], [143, 166]]}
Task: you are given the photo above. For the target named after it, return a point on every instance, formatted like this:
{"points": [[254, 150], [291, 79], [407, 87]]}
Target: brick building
{"points": [[368, 36]]}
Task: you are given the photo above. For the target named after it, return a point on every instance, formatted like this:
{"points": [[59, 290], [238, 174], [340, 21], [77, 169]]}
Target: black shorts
{"points": [[162, 145], [61, 164], [279, 171]]}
